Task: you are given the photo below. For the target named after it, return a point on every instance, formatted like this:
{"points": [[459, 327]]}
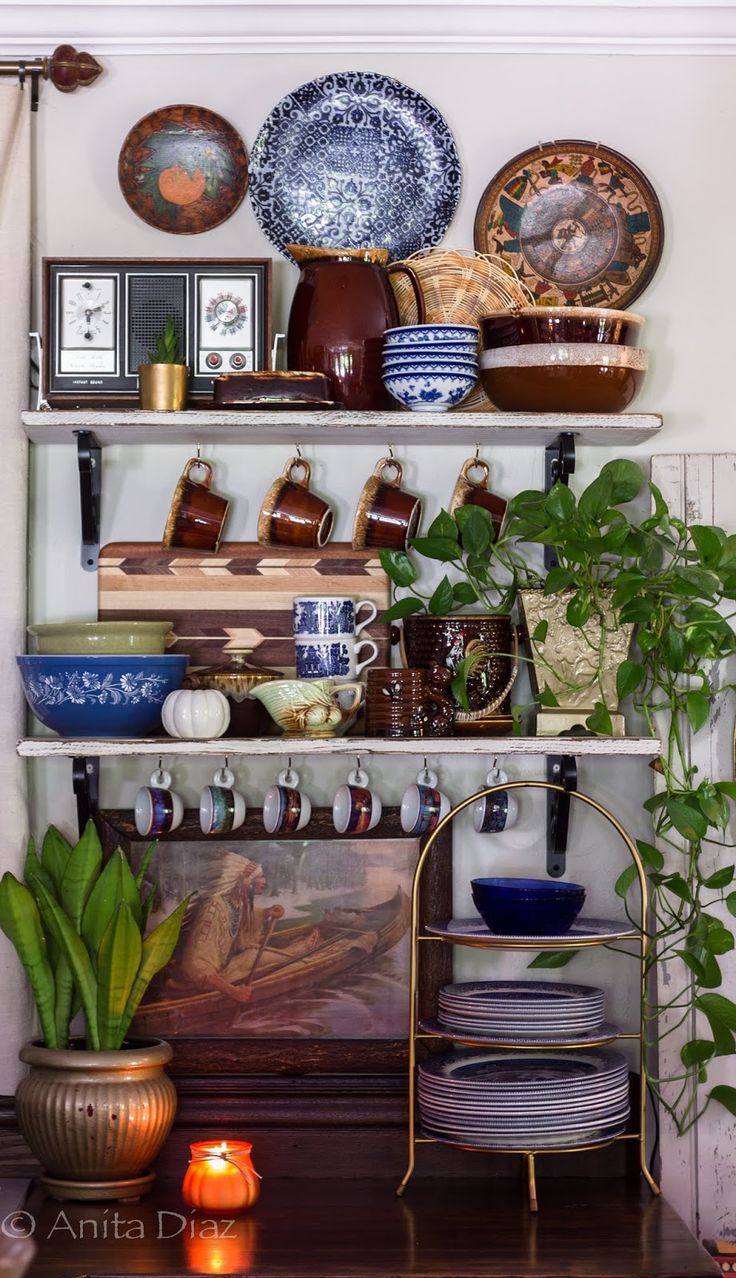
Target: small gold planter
{"points": [[573, 674], [162, 388], [96, 1120]]}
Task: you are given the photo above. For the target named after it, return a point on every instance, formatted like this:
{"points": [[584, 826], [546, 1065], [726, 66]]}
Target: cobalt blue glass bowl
{"points": [[101, 696], [527, 907]]}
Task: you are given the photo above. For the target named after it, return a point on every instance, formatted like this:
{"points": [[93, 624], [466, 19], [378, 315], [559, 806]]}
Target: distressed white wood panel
{"points": [[699, 1171]]}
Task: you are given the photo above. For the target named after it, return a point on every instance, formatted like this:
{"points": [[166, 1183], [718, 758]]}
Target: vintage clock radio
{"points": [[102, 317]]}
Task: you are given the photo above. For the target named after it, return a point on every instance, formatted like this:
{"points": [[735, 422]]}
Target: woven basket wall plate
{"points": [[580, 224], [183, 169]]}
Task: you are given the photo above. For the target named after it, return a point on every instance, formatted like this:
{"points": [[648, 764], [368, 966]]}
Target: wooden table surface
{"points": [[585, 1228]]}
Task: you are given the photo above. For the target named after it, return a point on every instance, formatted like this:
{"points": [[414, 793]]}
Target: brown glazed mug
{"points": [[197, 515], [387, 517], [472, 489], [291, 515], [408, 703]]}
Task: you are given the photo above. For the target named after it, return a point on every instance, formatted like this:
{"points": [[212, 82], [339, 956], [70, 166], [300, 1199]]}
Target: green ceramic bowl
{"points": [[99, 638]]}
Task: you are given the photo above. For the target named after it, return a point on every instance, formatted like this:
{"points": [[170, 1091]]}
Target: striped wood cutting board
{"points": [[238, 598]]}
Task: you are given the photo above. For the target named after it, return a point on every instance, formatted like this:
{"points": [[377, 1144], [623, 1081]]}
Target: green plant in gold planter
{"points": [[163, 381], [78, 927]]}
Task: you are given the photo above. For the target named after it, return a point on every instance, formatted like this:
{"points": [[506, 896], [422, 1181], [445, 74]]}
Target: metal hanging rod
{"points": [[66, 68]]}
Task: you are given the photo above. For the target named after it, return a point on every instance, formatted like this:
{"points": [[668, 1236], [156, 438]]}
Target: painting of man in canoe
{"points": [[292, 939]]}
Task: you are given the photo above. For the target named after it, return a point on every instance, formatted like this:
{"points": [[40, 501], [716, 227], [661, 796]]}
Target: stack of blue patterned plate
{"points": [[537, 1010], [522, 1100]]}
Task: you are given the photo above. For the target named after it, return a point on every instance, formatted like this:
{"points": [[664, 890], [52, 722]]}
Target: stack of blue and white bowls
{"points": [[430, 367]]}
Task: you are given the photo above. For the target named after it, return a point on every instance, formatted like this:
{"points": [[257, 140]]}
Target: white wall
{"points": [[672, 115]]}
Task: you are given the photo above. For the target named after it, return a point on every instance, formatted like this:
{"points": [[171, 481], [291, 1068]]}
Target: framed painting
{"points": [[294, 956]]}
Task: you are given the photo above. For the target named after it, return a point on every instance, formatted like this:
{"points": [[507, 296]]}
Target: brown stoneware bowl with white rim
{"points": [[565, 378], [532, 325]]}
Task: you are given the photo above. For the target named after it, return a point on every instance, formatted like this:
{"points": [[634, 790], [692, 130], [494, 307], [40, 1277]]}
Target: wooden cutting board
{"points": [[238, 598]]}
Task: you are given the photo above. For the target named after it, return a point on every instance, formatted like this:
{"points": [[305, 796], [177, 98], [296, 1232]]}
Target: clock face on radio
{"points": [[87, 323]]}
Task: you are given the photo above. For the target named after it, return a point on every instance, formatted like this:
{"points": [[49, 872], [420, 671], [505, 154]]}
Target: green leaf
{"points": [[720, 940], [540, 632], [637, 610], [55, 852], [64, 983], [707, 543], [560, 503], [553, 958], [731, 903], [697, 705], [725, 1096], [118, 962], [148, 856], [718, 1009], [678, 887], [403, 608], [442, 599], [547, 697], [81, 872], [443, 526], [578, 609], [72, 946], [398, 566], [687, 820], [21, 923], [464, 593], [558, 579], [726, 787], [697, 581], [158, 948], [698, 1051], [650, 855], [626, 478], [115, 885], [628, 585], [442, 548], [596, 498], [625, 881], [721, 878], [675, 650], [476, 529], [600, 720], [628, 678]]}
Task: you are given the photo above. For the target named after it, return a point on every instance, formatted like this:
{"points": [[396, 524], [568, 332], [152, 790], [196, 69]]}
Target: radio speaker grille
{"points": [[153, 298]]}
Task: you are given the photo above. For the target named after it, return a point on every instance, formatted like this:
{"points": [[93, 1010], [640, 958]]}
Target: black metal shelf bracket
{"points": [[559, 464], [561, 770], [89, 460], [86, 783]]}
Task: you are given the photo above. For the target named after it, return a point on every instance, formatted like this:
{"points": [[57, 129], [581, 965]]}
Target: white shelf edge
{"points": [[57, 426], [589, 747]]}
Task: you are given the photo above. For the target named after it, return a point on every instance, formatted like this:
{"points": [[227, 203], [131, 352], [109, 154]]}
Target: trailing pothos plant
{"points": [[677, 583]]}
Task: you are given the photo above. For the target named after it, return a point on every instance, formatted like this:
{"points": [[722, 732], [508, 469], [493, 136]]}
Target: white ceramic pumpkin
{"points": [[196, 714]]}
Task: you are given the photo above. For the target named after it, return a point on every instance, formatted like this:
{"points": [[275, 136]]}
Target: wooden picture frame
{"points": [[267, 1056]]}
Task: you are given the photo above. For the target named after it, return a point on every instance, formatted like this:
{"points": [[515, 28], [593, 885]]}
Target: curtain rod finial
{"points": [[69, 70]]}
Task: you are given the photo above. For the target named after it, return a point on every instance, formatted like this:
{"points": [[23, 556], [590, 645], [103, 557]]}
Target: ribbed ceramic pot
{"points": [[96, 1120]]}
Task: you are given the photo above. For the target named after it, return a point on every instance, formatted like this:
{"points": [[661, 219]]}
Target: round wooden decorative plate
{"points": [[183, 169], [580, 224]]}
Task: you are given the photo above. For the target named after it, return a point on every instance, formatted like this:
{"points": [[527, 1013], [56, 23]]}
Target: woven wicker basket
{"points": [[459, 286]]}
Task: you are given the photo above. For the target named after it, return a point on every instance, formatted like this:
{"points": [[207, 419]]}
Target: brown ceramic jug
{"points": [[342, 306]]}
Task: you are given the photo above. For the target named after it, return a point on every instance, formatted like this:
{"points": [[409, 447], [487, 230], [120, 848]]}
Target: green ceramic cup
{"points": [[98, 638]]}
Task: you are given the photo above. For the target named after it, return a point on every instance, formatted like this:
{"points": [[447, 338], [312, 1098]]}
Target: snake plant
{"points": [[167, 345], [78, 927]]}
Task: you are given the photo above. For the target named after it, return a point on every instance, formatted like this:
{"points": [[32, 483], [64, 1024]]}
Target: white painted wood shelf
{"points": [[56, 426], [588, 747]]}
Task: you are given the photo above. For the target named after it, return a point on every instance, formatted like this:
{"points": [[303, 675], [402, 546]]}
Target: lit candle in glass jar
{"points": [[221, 1177]]}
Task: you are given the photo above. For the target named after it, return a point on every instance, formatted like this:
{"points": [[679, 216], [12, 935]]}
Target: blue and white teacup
{"points": [[157, 810], [497, 812], [336, 658], [423, 805], [221, 808], [286, 808], [330, 615]]}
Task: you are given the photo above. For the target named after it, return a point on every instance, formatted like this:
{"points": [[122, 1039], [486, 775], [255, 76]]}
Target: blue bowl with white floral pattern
{"points": [[100, 696], [429, 392]]}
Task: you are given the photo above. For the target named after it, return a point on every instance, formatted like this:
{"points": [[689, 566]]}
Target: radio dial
{"points": [[237, 361]]}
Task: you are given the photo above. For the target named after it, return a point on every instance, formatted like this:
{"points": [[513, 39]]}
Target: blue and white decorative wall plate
{"points": [[355, 160]]}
